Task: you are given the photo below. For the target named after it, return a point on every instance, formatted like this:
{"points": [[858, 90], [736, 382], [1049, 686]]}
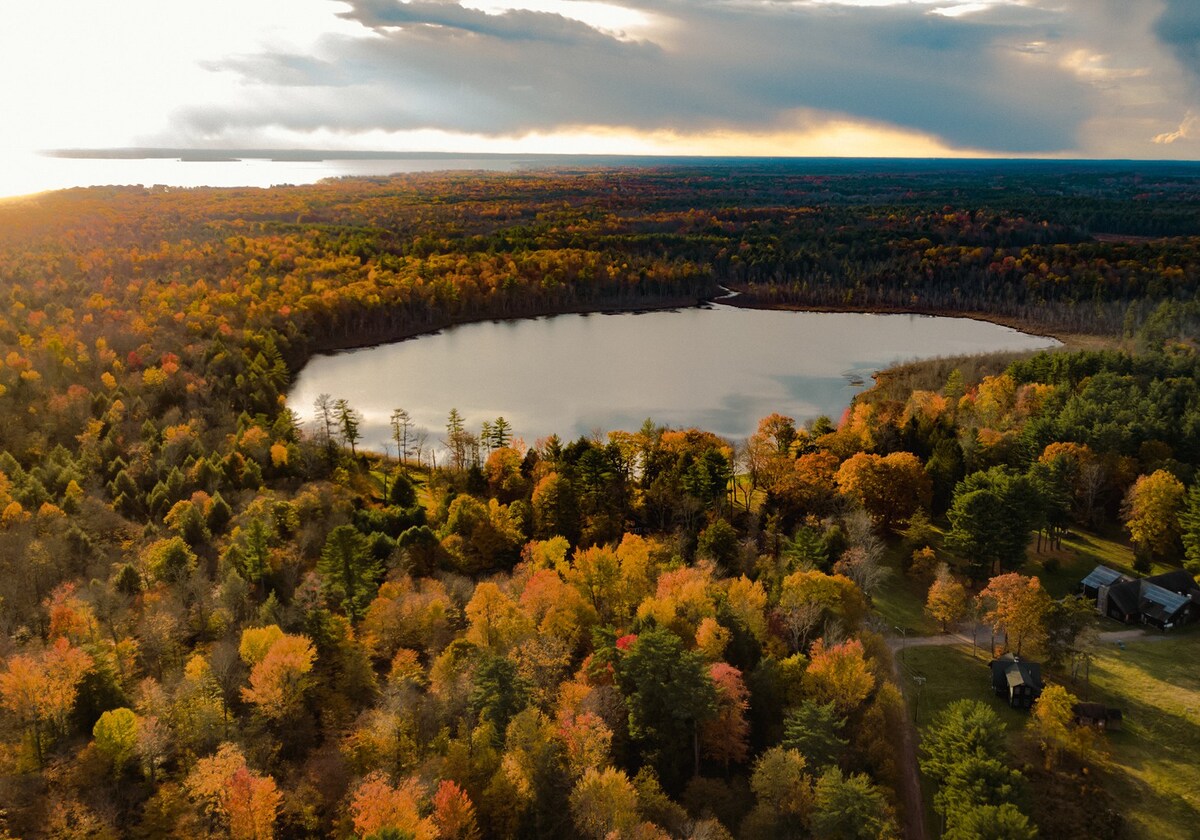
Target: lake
{"points": [[717, 367], [30, 172]]}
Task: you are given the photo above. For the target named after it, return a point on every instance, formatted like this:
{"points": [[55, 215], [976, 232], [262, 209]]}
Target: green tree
{"points": [[991, 822], [669, 694], [501, 433], [497, 692], [1189, 525], [116, 734], [186, 520], [170, 560], [555, 509], [349, 570], [850, 808], [991, 518], [974, 782], [812, 730], [349, 422], [962, 729], [402, 493], [718, 542]]}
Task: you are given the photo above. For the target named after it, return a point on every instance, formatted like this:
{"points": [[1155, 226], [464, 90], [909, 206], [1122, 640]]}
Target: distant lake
{"points": [[717, 367], [30, 172]]}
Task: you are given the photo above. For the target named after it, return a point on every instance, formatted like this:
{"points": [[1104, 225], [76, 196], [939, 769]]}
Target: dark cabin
{"points": [[1097, 716], [1017, 681]]}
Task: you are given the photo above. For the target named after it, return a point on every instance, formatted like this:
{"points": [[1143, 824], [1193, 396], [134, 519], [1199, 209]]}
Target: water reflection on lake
{"points": [[720, 368]]}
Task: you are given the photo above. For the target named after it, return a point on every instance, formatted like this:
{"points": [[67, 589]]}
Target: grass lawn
{"points": [[1081, 552], [1153, 763], [950, 673], [900, 601], [1155, 759]]}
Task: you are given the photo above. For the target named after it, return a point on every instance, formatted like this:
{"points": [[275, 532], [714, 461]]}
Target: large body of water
{"points": [[717, 367], [30, 172]]}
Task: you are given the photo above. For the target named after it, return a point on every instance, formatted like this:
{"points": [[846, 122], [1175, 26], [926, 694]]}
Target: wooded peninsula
{"points": [[217, 621]]}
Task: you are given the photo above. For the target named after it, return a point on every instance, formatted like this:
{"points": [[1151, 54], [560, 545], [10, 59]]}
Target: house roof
{"points": [[1102, 576], [1161, 604], [1176, 580], [1164, 597], [1096, 711], [1014, 672], [1125, 596]]}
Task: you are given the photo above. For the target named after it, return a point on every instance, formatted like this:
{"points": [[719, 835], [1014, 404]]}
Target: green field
{"points": [[1062, 569], [1155, 759], [1153, 763], [901, 599]]}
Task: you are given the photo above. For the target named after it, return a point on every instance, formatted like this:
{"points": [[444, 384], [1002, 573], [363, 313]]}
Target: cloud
{"points": [[1189, 129], [1179, 28], [711, 65], [510, 25]]}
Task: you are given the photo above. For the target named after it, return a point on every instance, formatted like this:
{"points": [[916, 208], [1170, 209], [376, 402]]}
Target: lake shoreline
{"points": [[377, 338], [1069, 340]]}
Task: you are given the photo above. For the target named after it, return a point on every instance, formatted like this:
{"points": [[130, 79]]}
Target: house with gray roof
{"points": [[1018, 681], [1163, 601]]}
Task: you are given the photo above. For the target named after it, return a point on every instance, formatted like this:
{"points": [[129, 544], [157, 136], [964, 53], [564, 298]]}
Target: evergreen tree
{"points": [[350, 571]]}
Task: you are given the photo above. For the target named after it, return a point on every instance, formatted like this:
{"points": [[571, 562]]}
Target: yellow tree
{"points": [[232, 796], [278, 680], [947, 600], [838, 674], [809, 597], [1152, 510], [1016, 604], [604, 804], [496, 621], [41, 690], [1051, 725]]}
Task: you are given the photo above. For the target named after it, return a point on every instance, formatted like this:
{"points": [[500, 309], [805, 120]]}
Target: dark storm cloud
{"points": [[720, 65], [1179, 29]]}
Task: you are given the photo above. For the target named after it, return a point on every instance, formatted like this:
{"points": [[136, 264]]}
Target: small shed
{"points": [[1097, 716], [1019, 682]]}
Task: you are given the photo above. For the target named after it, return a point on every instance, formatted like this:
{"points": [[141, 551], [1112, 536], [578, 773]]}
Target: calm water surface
{"points": [[719, 368]]}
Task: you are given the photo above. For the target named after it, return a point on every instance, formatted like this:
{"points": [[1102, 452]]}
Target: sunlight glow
{"points": [[606, 17], [808, 133], [83, 73]]}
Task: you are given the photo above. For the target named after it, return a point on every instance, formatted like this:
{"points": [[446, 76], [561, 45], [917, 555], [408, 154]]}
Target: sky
{"points": [[910, 78]]}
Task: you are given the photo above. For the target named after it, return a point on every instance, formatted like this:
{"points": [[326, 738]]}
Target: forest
{"points": [[217, 622]]}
